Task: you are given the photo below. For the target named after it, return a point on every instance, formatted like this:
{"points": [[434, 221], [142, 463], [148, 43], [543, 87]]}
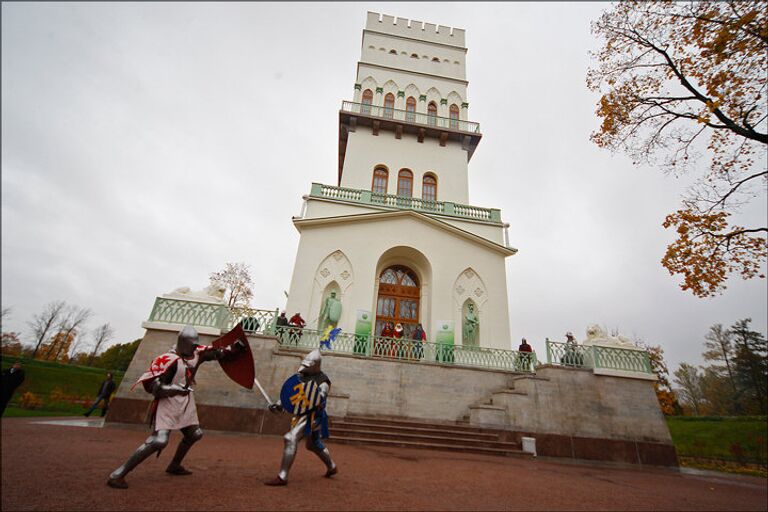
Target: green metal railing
{"points": [[254, 321], [596, 356], [408, 350], [199, 314], [264, 321], [217, 316], [353, 195], [420, 118]]}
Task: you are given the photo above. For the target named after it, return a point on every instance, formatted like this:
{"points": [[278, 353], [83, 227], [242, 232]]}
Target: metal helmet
{"points": [[311, 364], [187, 341]]}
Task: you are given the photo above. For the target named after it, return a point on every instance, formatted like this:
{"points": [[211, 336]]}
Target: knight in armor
{"points": [[311, 424], [170, 379]]}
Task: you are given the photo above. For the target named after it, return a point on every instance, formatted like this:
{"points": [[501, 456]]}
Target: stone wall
{"points": [[571, 413]]}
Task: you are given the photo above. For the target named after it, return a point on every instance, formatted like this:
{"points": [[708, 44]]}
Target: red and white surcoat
{"points": [[174, 412]]}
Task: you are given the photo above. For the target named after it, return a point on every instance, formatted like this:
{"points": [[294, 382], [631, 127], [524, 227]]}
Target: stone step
{"points": [[418, 429], [423, 438], [429, 446], [412, 423]]}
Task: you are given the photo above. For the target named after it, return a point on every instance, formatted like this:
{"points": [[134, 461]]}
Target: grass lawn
{"points": [[722, 443], [17, 412], [64, 389]]}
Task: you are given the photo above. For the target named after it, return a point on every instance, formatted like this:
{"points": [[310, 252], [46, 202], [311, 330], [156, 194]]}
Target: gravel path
{"points": [[62, 467]]}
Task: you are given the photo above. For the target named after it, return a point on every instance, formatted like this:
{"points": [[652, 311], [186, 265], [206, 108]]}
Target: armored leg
{"points": [[157, 441], [292, 439], [315, 445], [192, 434]]}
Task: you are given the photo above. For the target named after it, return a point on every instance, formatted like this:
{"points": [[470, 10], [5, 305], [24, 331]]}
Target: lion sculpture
{"points": [[211, 293], [596, 335]]}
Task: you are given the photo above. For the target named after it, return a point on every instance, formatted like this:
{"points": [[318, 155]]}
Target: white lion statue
{"points": [[211, 293], [596, 335]]}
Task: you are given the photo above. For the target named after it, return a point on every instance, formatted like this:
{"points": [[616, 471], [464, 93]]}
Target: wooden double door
{"points": [[398, 299]]}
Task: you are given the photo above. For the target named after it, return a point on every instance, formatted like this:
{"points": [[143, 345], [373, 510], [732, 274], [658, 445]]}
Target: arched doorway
{"points": [[398, 299]]}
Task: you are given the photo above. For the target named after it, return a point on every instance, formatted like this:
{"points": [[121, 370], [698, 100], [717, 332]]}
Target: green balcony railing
{"points": [[419, 118], [353, 195], [411, 351], [216, 316], [264, 321], [598, 357]]}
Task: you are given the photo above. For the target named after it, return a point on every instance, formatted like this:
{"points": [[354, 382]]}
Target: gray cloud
{"points": [[145, 145]]}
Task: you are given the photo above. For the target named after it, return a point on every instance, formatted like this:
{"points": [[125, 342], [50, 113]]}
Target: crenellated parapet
{"points": [[415, 29]]}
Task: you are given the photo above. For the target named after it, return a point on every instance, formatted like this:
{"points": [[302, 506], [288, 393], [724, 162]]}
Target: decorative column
{"points": [[422, 105], [400, 100], [443, 109]]}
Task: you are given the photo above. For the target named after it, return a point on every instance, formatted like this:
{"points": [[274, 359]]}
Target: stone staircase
{"points": [[409, 433], [502, 407]]}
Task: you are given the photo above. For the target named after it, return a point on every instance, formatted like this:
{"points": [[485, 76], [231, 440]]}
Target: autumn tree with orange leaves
{"points": [[683, 85]]}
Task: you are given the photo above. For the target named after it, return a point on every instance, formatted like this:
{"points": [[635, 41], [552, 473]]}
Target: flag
{"points": [[328, 336]]}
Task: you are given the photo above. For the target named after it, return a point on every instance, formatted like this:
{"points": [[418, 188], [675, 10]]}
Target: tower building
{"points": [[396, 239]]}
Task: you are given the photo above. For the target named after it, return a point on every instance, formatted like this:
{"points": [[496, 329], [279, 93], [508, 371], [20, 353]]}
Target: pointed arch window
{"points": [[432, 113], [367, 101], [389, 105], [405, 183], [380, 179], [429, 188], [410, 109], [454, 114]]}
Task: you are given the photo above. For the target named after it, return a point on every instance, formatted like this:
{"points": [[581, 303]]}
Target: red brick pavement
{"points": [[54, 467]]}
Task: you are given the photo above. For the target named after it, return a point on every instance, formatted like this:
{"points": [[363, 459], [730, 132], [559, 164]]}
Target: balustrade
{"points": [[410, 117], [407, 203], [263, 321], [598, 357]]}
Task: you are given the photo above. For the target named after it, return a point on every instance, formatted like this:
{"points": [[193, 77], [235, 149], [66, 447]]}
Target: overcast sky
{"points": [[146, 145]]}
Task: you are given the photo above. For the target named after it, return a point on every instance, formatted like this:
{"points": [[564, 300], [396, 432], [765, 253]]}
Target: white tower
{"points": [[397, 239]]}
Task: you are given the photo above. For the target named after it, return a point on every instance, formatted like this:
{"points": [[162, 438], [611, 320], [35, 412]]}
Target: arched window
{"points": [[454, 112], [410, 109], [414, 56], [429, 188], [389, 105], [393, 52], [380, 178], [405, 183], [367, 101], [435, 59], [432, 113]]}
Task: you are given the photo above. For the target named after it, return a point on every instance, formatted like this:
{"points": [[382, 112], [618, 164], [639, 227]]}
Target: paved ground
{"points": [[63, 467]]}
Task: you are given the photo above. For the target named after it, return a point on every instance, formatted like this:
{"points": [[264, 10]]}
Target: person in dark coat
{"points": [[105, 392], [282, 323], [11, 379]]}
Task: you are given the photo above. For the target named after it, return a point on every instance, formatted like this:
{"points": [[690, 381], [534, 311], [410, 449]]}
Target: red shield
{"points": [[239, 366]]}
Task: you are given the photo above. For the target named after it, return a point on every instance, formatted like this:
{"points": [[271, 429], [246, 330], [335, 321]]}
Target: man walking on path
{"points": [[12, 379], [105, 392]]}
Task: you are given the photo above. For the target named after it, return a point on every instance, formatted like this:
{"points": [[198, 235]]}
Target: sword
{"points": [[264, 393]]}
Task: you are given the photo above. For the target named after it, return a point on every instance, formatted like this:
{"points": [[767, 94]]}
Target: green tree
{"points": [[690, 391], [117, 357], [751, 366], [719, 348], [681, 79], [718, 399]]}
